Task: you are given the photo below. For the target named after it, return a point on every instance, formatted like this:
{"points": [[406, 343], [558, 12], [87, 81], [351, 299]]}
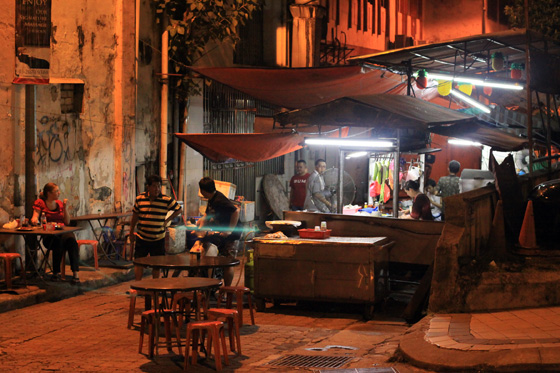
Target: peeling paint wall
{"points": [[93, 153]]}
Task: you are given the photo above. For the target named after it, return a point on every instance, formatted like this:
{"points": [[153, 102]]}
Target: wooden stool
{"points": [[215, 331], [8, 258], [238, 291], [148, 319], [232, 319], [133, 293], [93, 244]]}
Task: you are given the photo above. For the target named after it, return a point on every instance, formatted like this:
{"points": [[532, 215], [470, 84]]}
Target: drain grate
{"points": [[311, 361]]}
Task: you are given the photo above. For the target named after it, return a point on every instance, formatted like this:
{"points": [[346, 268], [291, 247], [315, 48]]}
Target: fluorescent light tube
{"points": [[470, 101], [475, 81], [463, 142], [350, 143], [356, 155]]}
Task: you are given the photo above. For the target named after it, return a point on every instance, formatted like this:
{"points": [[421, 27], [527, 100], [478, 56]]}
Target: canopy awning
{"points": [[390, 112], [248, 147], [305, 87]]}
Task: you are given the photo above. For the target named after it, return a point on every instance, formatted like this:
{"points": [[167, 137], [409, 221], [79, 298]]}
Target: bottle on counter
{"points": [[43, 220], [323, 225]]}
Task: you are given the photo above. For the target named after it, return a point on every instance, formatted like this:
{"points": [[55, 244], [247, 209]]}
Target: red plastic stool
{"points": [[133, 293], [231, 317], [8, 258], [215, 330], [238, 291], [148, 319], [93, 244]]}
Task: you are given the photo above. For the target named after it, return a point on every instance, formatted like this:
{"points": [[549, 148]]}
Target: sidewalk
{"points": [[519, 340]]}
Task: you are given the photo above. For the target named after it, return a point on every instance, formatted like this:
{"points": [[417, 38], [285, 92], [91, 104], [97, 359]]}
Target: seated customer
{"points": [[56, 211], [221, 216], [421, 207], [435, 199]]}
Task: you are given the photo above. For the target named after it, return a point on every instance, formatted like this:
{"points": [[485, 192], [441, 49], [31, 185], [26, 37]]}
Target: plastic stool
{"points": [[8, 258], [238, 291], [148, 318], [133, 293], [93, 244], [231, 317], [215, 331]]}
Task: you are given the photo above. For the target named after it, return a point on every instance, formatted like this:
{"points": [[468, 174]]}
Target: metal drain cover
{"points": [[310, 361]]}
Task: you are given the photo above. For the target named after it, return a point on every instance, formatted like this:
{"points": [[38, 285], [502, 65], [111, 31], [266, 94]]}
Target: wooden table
{"points": [[185, 262], [33, 237], [336, 269], [172, 285], [102, 220]]}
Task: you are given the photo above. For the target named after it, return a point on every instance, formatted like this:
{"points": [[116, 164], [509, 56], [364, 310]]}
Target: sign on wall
{"points": [[33, 37]]}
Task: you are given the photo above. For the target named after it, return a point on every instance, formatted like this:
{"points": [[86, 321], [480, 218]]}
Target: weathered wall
{"points": [[91, 155]]}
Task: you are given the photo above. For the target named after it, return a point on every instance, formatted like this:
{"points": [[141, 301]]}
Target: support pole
{"points": [[340, 207], [163, 113], [30, 145], [396, 166]]}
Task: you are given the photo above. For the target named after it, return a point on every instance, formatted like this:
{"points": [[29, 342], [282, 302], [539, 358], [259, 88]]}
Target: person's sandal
{"points": [[56, 277], [75, 280]]}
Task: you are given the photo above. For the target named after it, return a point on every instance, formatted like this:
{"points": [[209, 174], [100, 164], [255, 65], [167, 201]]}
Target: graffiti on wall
{"points": [[57, 140]]}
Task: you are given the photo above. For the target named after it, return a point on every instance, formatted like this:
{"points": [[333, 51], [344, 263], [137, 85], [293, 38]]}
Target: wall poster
{"points": [[33, 41]]}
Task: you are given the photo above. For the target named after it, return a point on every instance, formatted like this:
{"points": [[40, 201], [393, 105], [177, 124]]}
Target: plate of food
{"points": [[25, 229]]}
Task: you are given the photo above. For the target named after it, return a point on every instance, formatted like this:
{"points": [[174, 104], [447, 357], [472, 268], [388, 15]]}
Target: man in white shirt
{"points": [[317, 197]]}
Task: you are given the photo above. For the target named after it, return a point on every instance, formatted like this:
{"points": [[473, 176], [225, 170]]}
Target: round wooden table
{"points": [[185, 262]]}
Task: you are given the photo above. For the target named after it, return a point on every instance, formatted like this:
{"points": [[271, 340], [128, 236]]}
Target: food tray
{"points": [[312, 233]]}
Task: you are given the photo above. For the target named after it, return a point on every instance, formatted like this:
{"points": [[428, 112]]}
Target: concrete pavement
{"points": [[83, 328]]}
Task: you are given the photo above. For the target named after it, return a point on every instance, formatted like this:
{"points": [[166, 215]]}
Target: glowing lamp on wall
{"points": [[516, 70], [497, 61], [422, 80]]}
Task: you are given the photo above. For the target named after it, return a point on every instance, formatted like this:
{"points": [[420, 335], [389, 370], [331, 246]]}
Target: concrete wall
{"points": [[91, 155]]}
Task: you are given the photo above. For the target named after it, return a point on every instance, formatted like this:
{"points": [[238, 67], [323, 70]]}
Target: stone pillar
{"points": [[306, 33]]}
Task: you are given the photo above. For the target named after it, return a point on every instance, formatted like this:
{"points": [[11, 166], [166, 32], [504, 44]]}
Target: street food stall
{"points": [[337, 269]]}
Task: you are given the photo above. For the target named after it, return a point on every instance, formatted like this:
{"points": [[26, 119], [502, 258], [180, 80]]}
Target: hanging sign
{"points": [[33, 41]]}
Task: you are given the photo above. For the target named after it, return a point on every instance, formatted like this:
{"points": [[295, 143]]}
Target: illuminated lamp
{"points": [[487, 91], [444, 87], [516, 70], [422, 80], [497, 61], [466, 88]]}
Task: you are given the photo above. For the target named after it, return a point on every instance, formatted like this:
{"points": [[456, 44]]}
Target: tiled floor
{"points": [[539, 327]]}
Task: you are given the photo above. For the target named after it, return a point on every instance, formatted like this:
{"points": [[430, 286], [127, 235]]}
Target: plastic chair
{"points": [[109, 239], [133, 293], [238, 291], [215, 330], [8, 258], [232, 319]]}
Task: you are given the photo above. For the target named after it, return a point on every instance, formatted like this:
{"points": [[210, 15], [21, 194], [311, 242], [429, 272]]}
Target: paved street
{"points": [[88, 333]]}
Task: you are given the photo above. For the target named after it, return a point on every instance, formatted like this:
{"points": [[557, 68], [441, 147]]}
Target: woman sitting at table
{"points": [[56, 211], [421, 207]]}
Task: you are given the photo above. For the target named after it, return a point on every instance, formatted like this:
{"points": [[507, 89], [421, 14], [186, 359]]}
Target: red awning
{"points": [[248, 147], [305, 87]]}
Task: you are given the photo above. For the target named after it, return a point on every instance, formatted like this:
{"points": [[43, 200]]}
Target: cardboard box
{"points": [[247, 211], [228, 189]]}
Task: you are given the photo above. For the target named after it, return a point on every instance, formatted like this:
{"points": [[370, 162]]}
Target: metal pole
{"points": [[396, 164], [339, 207], [528, 85], [30, 145]]}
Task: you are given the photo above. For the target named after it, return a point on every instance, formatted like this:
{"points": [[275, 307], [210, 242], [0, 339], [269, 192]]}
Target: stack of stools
{"points": [[215, 330], [232, 319], [238, 291], [8, 258]]}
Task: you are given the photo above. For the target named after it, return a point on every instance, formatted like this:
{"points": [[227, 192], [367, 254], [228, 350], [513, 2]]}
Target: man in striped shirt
{"points": [[149, 218]]}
